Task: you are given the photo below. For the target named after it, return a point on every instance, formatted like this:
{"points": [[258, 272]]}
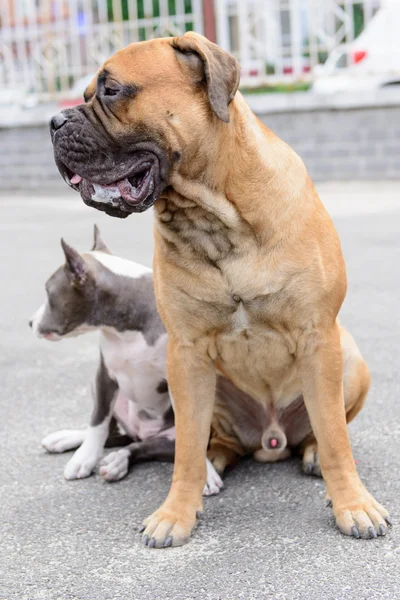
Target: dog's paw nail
{"points": [[355, 532], [142, 528], [328, 503], [151, 543], [372, 532], [382, 530], [198, 514], [145, 539], [309, 468], [168, 542], [389, 520]]}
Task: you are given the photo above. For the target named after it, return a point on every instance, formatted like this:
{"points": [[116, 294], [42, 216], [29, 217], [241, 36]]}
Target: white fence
{"points": [[47, 45], [284, 39]]}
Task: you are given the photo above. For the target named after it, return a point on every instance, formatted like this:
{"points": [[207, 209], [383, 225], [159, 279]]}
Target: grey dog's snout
{"points": [[57, 121]]}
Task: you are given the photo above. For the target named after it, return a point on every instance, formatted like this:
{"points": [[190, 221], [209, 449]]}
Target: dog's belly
{"points": [[258, 360], [239, 420], [132, 419], [263, 385]]}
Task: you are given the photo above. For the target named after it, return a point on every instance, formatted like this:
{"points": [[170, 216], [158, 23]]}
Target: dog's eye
{"points": [[109, 91]]}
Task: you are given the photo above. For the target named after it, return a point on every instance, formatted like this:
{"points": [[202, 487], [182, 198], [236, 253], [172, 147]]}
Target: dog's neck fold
{"points": [[233, 163]]}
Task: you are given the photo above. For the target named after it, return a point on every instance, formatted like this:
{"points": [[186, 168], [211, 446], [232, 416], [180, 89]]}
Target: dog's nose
{"points": [[30, 322], [58, 121]]}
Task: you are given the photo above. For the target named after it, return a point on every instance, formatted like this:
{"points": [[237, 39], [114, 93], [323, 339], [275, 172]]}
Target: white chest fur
{"points": [[136, 366]]}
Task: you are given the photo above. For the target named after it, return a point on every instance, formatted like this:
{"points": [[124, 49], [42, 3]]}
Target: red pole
{"points": [[209, 20]]}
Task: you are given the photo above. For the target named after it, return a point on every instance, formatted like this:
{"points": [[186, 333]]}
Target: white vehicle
{"points": [[370, 62]]}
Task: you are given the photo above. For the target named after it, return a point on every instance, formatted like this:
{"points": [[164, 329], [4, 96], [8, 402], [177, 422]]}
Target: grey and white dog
{"points": [[132, 405]]}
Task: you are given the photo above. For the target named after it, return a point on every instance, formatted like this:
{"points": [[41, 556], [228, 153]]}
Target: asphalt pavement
{"points": [[268, 535]]}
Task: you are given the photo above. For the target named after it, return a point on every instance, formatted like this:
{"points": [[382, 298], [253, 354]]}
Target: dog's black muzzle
{"points": [[118, 176]]}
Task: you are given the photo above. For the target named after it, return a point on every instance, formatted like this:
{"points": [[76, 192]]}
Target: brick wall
{"points": [[26, 159], [335, 145], [343, 144]]}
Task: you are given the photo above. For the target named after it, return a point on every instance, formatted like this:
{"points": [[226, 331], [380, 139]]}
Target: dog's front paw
{"points": [[61, 441], [115, 465], [214, 483], [362, 518], [169, 526], [81, 465]]}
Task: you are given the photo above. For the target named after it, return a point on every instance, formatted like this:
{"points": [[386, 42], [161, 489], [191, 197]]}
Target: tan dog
{"points": [[248, 270]]}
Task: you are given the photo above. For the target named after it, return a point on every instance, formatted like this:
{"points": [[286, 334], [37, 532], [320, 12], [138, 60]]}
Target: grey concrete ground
{"points": [[268, 535]]}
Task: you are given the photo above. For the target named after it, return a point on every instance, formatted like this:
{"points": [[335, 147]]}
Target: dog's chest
{"points": [[136, 366], [250, 340], [255, 351], [233, 297]]}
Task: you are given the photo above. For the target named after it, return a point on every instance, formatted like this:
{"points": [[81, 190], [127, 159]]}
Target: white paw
{"points": [[115, 465], [214, 482], [66, 439], [80, 466]]}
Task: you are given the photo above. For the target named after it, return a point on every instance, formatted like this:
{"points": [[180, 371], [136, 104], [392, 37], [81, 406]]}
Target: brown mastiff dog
{"points": [[249, 273]]}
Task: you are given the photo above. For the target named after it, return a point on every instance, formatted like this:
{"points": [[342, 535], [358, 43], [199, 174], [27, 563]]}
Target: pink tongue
{"points": [[76, 179], [273, 442], [127, 191]]}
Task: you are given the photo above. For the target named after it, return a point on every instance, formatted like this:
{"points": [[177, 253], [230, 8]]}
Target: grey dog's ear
{"points": [[75, 265], [98, 243], [220, 70]]}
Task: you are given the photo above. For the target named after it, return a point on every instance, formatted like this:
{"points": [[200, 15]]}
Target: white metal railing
{"points": [[277, 40], [46, 45]]}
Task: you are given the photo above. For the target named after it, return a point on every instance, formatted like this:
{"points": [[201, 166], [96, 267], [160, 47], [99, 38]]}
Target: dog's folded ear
{"points": [[98, 242], [219, 70], [75, 265]]}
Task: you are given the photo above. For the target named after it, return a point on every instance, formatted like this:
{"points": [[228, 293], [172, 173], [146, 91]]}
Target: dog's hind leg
{"points": [[115, 466], [117, 438], [70, 439], [221, 456], [63, 440]]}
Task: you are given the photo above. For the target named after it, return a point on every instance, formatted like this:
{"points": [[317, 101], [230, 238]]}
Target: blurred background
{"points": [[324, 74], [302, 62]]}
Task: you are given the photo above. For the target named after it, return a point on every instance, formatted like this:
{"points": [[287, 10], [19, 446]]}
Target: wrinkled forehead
{"points": [[143, 62]]}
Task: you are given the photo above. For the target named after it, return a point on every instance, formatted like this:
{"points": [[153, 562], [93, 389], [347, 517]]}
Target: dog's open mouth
{"points": [[132, 191]]}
